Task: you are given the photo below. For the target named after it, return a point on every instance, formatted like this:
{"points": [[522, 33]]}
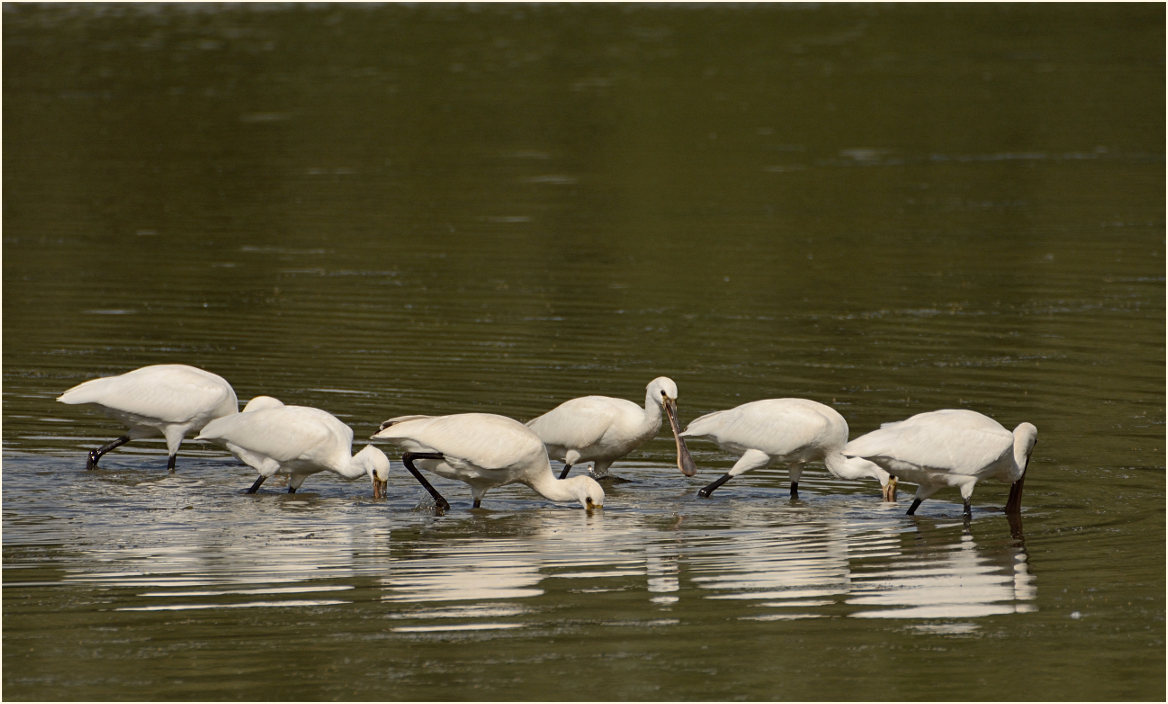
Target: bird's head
{"points": [[588, 491], [1025, 438], [663, 390], [376, 466]]}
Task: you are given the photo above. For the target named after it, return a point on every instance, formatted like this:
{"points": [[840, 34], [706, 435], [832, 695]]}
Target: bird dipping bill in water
{"points": [[602, 429], [790, 431], [170, 400], [951, 447], [485, 451], [297, 441]]}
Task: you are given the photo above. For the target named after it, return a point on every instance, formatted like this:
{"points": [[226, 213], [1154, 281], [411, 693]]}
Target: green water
{"points": [[380, 210]]}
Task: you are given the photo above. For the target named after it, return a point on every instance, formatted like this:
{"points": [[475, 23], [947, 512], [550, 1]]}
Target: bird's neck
{"points": [[351, 468], [852, 467], [652, 409], [552, 488], [1021, 457]]}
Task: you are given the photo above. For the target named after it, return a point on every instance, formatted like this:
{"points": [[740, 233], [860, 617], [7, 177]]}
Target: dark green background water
{"points": [[381, 210]]}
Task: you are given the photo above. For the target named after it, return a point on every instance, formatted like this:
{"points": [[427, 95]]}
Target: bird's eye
{"points": [[662, 394]]}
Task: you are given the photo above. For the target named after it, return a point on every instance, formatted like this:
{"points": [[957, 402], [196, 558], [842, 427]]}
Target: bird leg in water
{"points": [[255, 487], [599, 471], [705, 491], [913, 509], [95, 455], [794, 490], [567, 468], [170, 463], [408, 459], [1015, 521]]}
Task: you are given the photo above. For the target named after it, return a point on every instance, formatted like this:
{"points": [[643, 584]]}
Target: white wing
{"points": [[581, 422], [953, 440], [285, 434], [174, 393], [778, 426], [483, 440]]}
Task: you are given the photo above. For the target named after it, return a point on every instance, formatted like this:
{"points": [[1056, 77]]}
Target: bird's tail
{"points": [[401, 419], [699, 426]]}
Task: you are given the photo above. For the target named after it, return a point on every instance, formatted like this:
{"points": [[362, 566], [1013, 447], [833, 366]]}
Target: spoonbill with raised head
{"points": [[951, 447], [297, 441], [170, 400], [485, 451], [790, 431], [603, 429]]}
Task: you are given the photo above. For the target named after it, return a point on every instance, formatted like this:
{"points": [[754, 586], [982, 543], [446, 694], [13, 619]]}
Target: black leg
{"points": [[256, 487], [408, 459], [477, 503], [95, 455], [291, 489], [1015, 521], [567, 468], [913, 509], [705, 491], [967, 510], [170, 463], [794, 490]]}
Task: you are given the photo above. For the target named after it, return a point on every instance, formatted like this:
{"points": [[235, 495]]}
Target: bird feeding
{"points": [[170, 400], [950, 447], [790, 431], [296, 441], [483, 450]]}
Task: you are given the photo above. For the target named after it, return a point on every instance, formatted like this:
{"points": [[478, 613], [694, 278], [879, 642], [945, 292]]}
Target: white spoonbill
{"points": [[951, 447], [485, 451], [603, 429], [791, 431], [169, 400], [296, 441]]}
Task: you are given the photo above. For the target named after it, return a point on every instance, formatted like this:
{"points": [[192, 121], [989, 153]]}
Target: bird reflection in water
{"points": [[937, 577]]}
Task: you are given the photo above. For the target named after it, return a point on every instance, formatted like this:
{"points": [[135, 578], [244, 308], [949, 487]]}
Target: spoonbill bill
{"points": [[790, 431], [603, 429], [170, 400], [296, 441], [951, 447], [485, 451]]}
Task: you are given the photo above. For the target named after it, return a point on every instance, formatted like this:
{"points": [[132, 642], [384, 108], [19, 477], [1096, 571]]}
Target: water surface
{"points": [[381, 210]]}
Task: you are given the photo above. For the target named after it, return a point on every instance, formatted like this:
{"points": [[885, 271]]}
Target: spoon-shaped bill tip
{"points": [[684, 462]]}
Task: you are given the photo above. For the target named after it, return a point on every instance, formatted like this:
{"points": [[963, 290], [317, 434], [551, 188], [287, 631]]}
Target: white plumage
{"points": [[602, 429], [262, 402], [170, 400], [485, 451], [789, 431], [951, 447], [296, 441]]}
